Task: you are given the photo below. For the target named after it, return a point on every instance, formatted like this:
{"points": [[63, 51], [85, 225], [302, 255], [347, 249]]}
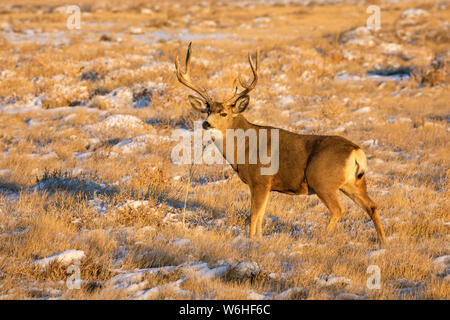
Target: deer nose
{"points": [[206, 125]]}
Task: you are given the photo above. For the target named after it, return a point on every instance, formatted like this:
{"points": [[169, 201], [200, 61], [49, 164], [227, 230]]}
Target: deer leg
{"points": [[359, 195], [260, 196], [336, 212]]}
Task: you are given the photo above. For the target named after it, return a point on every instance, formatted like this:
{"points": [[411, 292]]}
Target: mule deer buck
{"points": [[308, 164]]}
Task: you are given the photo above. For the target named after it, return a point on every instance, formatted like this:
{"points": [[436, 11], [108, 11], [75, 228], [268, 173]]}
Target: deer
{"points": [[308, 163]]}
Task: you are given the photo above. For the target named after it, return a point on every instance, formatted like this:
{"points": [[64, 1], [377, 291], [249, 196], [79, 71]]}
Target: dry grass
{"points": [[65, 180]]}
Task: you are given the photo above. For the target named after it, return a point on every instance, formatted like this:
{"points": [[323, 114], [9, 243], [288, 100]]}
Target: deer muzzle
{"points": [[206, 125]]}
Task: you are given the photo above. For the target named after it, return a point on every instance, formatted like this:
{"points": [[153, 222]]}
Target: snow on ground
{"points": [[407, 288], [292, 293], [98, 205], [442, 267], [200, 270], [154, 293], [71, 184], [134, 282], [331, 280], [349, 296], [121, 121], [363, 110], [13, 233], [132, 205], [64, 258], [126, 279], [182, 242], [304, 110], [139, 143]]}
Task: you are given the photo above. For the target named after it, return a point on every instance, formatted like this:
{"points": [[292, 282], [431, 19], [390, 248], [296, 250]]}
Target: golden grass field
{"points": [[86, 118]]}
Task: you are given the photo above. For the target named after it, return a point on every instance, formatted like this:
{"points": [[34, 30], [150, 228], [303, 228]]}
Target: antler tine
{"points": [[251, 86], [185, 77], [188, 58], [254, 71], [235, 86]]}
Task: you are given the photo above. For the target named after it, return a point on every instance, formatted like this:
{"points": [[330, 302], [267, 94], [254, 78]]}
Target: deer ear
{"points": [[241, 104], [198, 103]]}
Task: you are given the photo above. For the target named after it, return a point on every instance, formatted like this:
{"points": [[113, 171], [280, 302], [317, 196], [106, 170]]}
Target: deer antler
{"points": [[185, 78], [247, 87]]}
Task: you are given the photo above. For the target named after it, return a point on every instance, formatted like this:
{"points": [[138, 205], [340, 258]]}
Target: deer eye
{"points": [[223, 114]]}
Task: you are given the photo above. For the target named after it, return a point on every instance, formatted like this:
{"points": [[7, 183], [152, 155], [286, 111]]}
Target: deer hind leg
{"points": [[330, 199], [357, 191], [325, 182], [260, 196]]}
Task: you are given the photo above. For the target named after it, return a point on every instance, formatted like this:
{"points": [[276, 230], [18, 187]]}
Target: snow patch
{"points": [[330, 280], [154, 292], [391, 48], [138, 143], [245, 269], [348, 296], [292, 293], [286, 100], [98, 205], [442, 265], [252, 295], [201, 270], [132, 205], [121, 121], [65, 258], [182, 242], [363, 110]]}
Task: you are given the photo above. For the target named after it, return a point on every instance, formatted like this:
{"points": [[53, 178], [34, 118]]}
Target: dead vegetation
{"points": [[86, 119]]}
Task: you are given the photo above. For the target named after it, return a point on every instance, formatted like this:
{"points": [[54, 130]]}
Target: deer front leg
{"points": [[260, 196]]}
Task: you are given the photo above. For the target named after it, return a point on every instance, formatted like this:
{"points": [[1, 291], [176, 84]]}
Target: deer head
{"points": [[221, 115]]}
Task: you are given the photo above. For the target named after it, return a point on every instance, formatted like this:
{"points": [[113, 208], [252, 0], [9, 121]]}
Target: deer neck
{"points": [[241, 122]]}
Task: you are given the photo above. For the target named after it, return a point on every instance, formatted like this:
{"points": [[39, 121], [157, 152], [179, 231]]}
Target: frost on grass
{"points": [[139, 143], [349, 296], [135, 282], [182, 242], [292, 294], [103, 106], [98, 205], [244, 270], [404, 288], [361, 36], [126, 279], [442, 267], [173, 287], [122, 121], [118, 98], [377, 253], [363, 110], [64, 181], [132, 205]]}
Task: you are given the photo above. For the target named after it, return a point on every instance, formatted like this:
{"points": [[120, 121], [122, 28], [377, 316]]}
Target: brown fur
{"points": [[308, 164]]}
